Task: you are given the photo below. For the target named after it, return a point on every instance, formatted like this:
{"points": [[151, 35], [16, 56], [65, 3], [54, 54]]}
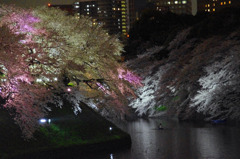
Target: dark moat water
{"points": [[177, 141]]}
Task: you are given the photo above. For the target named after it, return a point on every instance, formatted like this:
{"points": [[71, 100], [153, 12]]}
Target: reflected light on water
{"points": [[180, 140], [111, 156], [207, 143]]}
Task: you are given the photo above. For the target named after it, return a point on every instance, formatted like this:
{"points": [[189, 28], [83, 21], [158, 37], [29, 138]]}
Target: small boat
{"points": [[218, 121], [160, 127]]}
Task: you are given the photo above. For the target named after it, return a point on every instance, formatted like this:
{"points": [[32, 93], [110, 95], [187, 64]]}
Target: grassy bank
{"points": [[67, 134]]}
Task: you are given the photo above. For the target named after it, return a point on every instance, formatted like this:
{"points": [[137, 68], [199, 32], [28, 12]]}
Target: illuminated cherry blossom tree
{"points": [[46, 56]]}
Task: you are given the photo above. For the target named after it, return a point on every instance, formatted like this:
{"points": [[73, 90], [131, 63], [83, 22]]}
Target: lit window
{"points": [[123, 5], [87, 6], [176, 2], [224, 3], [208, 5], [114, 8], [208, 10], [87, 9], [205, 10], [221, 3], [214, 4], [213, 9], [93, 5], [184, 2], [168, 2], [230, 2]]}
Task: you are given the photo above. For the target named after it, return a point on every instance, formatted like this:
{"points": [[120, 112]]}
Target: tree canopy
{"points": [[47, 56]]}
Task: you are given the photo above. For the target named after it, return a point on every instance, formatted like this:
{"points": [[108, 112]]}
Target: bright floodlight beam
{"points": [[43, 121]]}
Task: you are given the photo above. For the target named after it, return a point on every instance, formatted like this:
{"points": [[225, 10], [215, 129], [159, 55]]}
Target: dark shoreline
{"points": [[68, 136], [79, 150]]}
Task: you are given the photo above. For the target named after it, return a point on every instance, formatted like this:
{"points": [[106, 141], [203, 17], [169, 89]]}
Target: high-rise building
{"points": [[175, 6], [115, 15], [214, 5], [192, 6]]}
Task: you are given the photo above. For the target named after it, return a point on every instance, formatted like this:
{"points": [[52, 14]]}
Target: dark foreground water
{"points": [[177, 141]]}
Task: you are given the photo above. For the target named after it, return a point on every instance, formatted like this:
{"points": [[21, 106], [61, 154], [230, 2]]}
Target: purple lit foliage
{"points": [[129, 76], [22, 22]]}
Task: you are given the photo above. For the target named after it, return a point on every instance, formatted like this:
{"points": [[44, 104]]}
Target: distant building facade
{"points": [[117, 16], [192, 6], [214, 5], [175, 6]]}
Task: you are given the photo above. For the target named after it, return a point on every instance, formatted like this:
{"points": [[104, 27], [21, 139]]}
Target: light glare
{"points": [[43, 120]]}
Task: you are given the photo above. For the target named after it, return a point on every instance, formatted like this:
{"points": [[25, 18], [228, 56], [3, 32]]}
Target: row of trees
{"points": [[46, 56], [196, 76]]}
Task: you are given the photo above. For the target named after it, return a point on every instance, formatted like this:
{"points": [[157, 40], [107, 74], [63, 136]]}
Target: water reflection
{"points": [[180, 141], [176, 141], [111, 156]]}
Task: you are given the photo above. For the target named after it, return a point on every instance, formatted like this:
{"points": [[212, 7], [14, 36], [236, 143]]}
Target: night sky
{"points": [[33, 3]]}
